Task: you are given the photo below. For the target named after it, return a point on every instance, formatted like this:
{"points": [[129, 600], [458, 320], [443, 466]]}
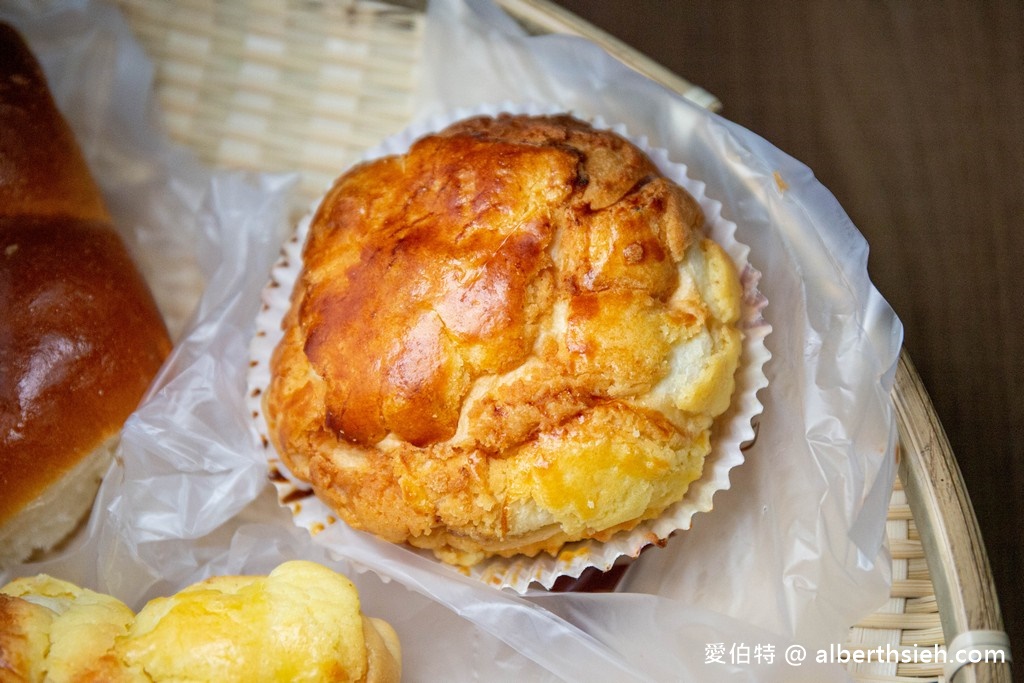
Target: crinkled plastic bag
{"points": [[790, 556]]}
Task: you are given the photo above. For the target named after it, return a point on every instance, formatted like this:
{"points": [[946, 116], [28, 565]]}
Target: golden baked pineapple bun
{"points": [[302, 622], [514, 336]]}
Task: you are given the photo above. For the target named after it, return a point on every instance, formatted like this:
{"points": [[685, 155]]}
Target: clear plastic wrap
{"points": [[793, 552]]}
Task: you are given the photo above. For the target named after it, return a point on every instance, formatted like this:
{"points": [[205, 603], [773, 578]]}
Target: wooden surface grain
{"points": [[912, 114]]}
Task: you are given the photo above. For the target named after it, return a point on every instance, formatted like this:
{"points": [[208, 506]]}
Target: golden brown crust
{"points": [[42, 172], [66, 631], [301, 622], [82, 337], [513, 295], [383, 651], [24, 640], [84, 340]]}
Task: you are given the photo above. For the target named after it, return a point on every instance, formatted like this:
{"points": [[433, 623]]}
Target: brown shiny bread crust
{"points": [[80, 334], [482, 352]]}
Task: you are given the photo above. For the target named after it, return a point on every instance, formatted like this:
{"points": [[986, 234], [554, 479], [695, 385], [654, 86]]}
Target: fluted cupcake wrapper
{"points": [[732, 431]]}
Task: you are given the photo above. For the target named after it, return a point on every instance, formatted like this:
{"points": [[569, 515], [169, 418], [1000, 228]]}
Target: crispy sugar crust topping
{"points": [[511, 337]]}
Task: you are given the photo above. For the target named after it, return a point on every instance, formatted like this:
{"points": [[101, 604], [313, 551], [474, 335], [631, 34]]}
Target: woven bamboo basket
{"points": [[227, 72]]}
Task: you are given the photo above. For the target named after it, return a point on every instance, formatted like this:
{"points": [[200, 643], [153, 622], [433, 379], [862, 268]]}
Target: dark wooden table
{"points": [[912, 114]]}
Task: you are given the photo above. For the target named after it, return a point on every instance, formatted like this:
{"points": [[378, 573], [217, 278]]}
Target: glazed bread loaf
{"points": [[80, 335], [514, 336], [303, 622]]}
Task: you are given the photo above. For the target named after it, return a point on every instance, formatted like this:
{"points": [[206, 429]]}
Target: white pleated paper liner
{"points": [[731, 432]]}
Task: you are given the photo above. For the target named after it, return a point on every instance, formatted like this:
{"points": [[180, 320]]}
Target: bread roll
{"points": [[80, 335], [512, 337], [303, 622]]}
